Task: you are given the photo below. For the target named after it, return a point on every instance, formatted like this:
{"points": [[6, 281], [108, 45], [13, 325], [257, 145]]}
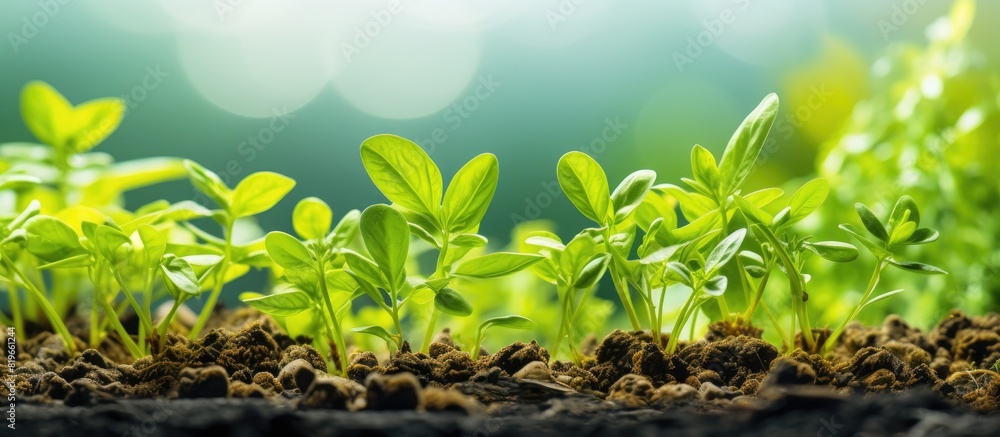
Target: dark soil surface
{"points": [[252, 379]]}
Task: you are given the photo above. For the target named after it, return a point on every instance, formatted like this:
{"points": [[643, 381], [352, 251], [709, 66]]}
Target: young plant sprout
{"points": [[386, 236], [313, 269], [107, 251], [447, 220], [14, 234], [788, 252], [703, 279], [575, 269], [710, 205], [253, 195], [901, 230], [586, 185], [509, 322]]}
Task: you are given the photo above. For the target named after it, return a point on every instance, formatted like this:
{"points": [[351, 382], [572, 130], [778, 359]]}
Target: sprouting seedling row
{"points": [[80, 236]]}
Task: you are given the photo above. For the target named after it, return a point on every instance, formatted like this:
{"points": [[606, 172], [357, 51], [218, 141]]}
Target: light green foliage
{"points": [[448, 221], [253, 195], [940, 148], [69, 223]]}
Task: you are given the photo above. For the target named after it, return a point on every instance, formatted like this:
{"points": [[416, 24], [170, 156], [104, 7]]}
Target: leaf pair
{"points": [[579, 264], [901, 230], [408, 177], [75, 129], [253, 195], [586, 186]]}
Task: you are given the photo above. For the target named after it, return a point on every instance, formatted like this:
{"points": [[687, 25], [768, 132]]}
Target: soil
{"points": [[247, 377]]}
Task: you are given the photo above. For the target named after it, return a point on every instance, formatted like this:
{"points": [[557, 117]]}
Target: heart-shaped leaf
{"points": [[312, 218]]}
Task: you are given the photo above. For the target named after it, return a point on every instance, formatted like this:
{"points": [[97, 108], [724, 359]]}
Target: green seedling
{"points": [[901, 230], [382, 277], [67, 176], [702, 278], [575, 269], [586, 185], [109, 253], [14, 234], [447, 220], [788, 252], [710, 203], [253, 195], [313, 268], [509, 322]]}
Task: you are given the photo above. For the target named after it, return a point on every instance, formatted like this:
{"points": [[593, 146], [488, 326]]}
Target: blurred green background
{"points": [[295, 86]]}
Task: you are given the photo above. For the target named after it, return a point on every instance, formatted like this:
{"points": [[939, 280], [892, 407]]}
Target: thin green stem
{"points": [[50, 312], [117, 324], [144, 317], [338, 334], [15, 309], [620, 286], [439, 272], [477, 345], [161, 329], [872, 283], [220, 278], [675, 333], [563, 319]]}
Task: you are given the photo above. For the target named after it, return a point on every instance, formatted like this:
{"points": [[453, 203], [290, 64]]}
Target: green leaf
{"points": [[835, 251], [379, 332], [545, 240], [284, 304], [631, 192], [450, 302], [808, 198], [57, 123], [881, 296], [660, 255], [387, 238], [905, 209], [51, 240], [902, 233], [45, 111], [365, 269], [469, 240], [585, 184], [692, 205], [422, 234], [495, 265], [82, 260], [678, 272], [312, 218], [873, 247], [724, 251], [716, 286], [340, 280], [111, 182], [764, 197], [179, 277], [403, 172], [208, 183], [93, 122], [705, 169], [655, 206], [922, 236], [287, 251], [752, 212], [346, 229], [509, 322], [746, 143], [915, 267], [871, 222], [470, 193], [108, 240], [259, 192], [592, 271]]}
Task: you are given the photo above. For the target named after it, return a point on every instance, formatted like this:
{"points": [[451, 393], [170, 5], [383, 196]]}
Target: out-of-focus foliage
{"points": [[930, 130]]}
